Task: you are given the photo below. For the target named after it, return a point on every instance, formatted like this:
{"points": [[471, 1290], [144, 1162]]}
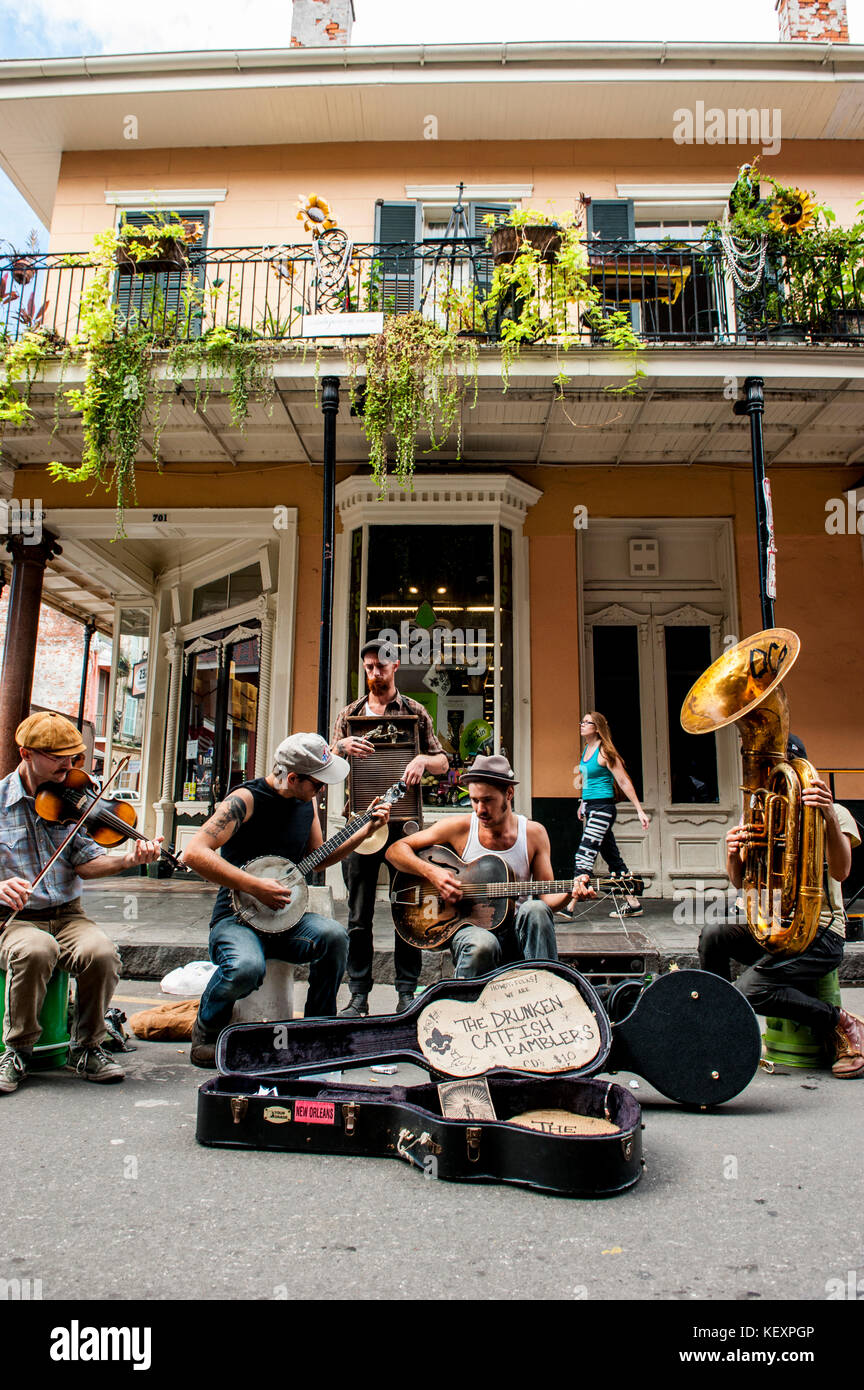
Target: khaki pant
{"points": [[32, 948]]}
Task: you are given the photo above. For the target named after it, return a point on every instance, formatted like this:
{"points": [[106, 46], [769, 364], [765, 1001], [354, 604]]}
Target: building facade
{"points": [[585, 549]]}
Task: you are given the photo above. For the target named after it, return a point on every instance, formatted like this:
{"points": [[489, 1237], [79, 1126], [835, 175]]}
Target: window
{"points": [[161, 295], [219, 729], [432, 592], [228, 591], [130, 693]]}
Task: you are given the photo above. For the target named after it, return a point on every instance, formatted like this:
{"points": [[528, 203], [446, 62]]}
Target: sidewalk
{"points": [[160, 924]]}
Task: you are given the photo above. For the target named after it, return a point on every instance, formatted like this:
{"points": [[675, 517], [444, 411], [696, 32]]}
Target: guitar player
{"points": [[492, 828]]}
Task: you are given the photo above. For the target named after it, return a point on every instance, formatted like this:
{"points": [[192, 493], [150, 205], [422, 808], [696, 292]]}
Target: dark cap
{"points": [[374, 648], [492, 769], [795, 748]]}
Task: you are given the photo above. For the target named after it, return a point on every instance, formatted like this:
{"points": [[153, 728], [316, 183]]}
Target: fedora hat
{"points": [[492, 769]]}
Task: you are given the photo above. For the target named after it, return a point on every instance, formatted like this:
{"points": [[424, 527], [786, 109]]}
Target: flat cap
{"points": [[47, 732]]}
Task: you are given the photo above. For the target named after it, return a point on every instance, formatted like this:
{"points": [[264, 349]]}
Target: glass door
{"points": [[219, 729]]}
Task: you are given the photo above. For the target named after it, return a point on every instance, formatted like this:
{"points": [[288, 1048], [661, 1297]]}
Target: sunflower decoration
{"points": [[792, 211], [315, 214]]}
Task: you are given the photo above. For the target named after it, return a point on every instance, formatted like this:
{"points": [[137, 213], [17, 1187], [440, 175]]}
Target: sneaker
{"points": [[94, 1064], [849, 1042], [13, 1069], [357, 1007], [403, 1002], [627, 911], [203, 1050]]}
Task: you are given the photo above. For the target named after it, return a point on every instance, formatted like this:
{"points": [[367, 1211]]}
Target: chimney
{"points": [[321, 23], [813, 21]]}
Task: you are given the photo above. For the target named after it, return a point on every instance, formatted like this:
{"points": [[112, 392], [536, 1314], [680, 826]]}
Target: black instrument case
{"points": [[545, 1020]]}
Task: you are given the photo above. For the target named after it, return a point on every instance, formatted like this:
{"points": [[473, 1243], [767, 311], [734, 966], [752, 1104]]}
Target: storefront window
{"points": [[431, 591], [220, 728], [130, 697]]}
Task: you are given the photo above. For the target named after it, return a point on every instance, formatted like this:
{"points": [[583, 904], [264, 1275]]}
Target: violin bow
{"points": [[72, 833]]}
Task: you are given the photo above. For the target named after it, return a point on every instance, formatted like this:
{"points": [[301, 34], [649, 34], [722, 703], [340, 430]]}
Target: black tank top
{"points": [[277, 825]]}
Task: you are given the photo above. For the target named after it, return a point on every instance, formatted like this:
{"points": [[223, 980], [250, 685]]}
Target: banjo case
{"points": [[536, 1033], [535, 1010]]}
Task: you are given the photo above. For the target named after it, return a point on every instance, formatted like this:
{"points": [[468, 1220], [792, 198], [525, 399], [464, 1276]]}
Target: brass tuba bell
{"points": [[784, 854]]}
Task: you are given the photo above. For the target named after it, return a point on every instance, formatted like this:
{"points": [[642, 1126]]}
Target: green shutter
{"points": [[400, 273], [160, 291], [611, 219]]}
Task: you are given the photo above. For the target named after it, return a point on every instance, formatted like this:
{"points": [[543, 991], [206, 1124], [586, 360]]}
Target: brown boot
{"points": [[203, 1050], [849, 1041]]}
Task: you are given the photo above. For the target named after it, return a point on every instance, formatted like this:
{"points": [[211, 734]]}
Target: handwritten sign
{"points": [[532, 1021], [564, 1122]]}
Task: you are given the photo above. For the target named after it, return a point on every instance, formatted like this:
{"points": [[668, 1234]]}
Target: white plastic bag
{"points": [[188, 979]]}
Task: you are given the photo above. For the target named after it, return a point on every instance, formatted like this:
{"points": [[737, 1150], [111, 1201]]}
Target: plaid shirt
{"points": [[27, 843], [401, 705]]}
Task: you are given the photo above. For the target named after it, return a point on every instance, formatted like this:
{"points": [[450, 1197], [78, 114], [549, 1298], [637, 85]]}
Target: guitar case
{"points": [[534, 1033]]}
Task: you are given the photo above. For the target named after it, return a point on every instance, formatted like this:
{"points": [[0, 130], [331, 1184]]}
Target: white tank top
{"points": [[516, 856]]}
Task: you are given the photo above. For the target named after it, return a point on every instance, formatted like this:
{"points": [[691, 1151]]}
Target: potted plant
{"points": [[159, 245], [466, 312], [23, 265], [525, 229]]}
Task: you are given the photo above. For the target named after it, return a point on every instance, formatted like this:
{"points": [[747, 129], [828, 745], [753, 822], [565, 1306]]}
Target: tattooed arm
{"points": [[201, 852]]}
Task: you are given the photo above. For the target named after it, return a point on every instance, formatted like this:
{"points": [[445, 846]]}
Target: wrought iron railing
{"points": [[676, 293]]}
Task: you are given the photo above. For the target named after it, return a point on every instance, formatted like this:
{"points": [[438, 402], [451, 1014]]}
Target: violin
{"points": [[109, 823]]}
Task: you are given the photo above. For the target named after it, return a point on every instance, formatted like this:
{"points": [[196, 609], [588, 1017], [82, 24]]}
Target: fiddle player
{"points": [[360, 871], [493, 828], [784, 985], [269, 815], [50, 930]]}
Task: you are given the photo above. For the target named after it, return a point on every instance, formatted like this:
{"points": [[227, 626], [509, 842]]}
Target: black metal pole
{"points": [[753, 404], [89, 629], [330, 407]]}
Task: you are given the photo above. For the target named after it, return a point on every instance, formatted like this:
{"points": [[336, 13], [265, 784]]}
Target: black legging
{"points": [[597, 838]]}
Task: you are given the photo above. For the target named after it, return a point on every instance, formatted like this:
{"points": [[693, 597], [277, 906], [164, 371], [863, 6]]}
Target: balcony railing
{"points": [[677, 294]]}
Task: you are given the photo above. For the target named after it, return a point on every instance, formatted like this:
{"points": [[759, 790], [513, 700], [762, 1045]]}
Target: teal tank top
{"points": [[598, 784]]}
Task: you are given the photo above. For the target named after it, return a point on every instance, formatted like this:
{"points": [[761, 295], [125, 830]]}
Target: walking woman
{"points": [[601, 767]]}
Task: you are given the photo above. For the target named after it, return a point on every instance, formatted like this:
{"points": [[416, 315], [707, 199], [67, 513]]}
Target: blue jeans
{"points": [[476, 951], [241, 956]]}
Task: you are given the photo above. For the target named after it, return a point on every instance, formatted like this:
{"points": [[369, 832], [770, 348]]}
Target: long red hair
{"points": [[610, 752]]}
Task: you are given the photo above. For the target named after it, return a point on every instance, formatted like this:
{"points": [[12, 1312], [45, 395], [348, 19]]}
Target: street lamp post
{"points": [[753, 404], [330, 407]]}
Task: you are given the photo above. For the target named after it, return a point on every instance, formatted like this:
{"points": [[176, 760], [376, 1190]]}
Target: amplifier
{"points": [[397, 740], [607, 957]]}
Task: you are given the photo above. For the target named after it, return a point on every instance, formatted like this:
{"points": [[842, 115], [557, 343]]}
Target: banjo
{"points": [[252, 911]]}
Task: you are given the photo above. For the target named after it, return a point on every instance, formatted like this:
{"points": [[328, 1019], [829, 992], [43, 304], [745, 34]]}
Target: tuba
{"points": [[784, 854]]}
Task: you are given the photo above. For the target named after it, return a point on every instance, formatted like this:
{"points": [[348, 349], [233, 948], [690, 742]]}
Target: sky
{"points": [[63, 28]]}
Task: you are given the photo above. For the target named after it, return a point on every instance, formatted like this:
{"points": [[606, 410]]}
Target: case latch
{"points": [[239, 1106], [349, 1118], [472, 1138]]}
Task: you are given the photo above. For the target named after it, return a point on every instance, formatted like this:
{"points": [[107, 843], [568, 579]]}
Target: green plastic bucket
{"points": [[794, 1044], [52, 1049]]}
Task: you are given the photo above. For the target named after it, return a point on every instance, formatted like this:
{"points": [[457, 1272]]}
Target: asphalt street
{"points": [[113, 1199]]}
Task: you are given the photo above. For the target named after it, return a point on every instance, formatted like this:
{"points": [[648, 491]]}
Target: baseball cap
{"points": [[309, 755], [48, 732], [795, 748]]}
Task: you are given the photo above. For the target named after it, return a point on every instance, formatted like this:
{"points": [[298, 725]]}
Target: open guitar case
{"points": [[536, 1033]]}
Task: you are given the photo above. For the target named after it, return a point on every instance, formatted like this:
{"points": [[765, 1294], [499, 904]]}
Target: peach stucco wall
{"points": [[820, 583], [263, 182], [820, 596]]}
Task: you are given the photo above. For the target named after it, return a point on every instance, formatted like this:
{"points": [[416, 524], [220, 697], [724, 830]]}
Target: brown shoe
{"points": [[203, 1050], [849, 1041]]}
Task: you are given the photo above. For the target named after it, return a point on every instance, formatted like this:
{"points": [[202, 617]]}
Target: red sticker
{"points": [[315, 1112]]}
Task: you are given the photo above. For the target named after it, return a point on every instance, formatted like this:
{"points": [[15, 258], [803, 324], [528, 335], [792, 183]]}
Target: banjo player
{"points": [[273, 815]]}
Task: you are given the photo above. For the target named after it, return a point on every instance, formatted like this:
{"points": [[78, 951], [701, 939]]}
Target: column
{"points": [[262, 742], [29, 558], [164, 808]]}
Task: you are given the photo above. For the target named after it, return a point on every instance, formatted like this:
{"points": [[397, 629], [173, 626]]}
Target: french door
{"points": [[640, 662]]}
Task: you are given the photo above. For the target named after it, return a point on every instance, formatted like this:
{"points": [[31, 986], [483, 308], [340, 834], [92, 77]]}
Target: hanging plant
{"points": [[414, 380], [534, 299]]}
